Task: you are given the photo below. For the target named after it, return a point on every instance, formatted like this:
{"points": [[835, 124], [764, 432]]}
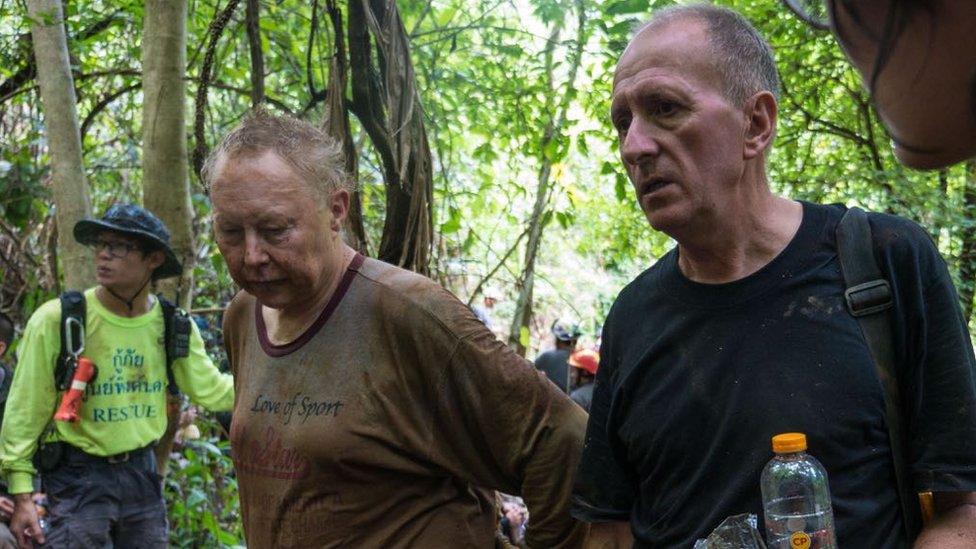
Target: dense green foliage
{"points": [[480, 67], [481, 74], [201, 493]]}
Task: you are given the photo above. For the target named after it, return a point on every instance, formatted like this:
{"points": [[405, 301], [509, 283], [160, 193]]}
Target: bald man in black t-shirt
{"points": [[742, 332]]}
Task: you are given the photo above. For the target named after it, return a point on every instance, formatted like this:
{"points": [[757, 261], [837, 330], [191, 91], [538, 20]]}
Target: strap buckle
{"points": [[868, 298], [119, 458]]}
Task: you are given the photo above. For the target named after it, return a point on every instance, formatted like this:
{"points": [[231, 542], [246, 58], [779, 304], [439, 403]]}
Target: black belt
{"points": [[77, 455]]}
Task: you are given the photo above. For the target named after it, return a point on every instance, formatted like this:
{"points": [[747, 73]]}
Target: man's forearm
{"points": [[952, 528], [23, 499]]}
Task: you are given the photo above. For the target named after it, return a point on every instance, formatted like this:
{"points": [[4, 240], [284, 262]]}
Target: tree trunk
{"points": [[386, 102], [518, 334], [967, 259], [337, 125], [64, 142], [517, 337], [253, 15], [166, 185]]}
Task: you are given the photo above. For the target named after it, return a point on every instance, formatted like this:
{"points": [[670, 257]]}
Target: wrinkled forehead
{"points": [[264, 164], [680, 48]]}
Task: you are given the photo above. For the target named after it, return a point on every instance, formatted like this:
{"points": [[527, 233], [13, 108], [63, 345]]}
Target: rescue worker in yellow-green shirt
{"points": [[99, 472]]}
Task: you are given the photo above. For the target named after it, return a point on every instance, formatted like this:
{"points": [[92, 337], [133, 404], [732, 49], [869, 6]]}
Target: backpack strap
{"points": [[176, 338], [73, 306], [869, 300]]}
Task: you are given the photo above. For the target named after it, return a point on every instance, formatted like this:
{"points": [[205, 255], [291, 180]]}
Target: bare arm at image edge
{"points": [[954, 526]]}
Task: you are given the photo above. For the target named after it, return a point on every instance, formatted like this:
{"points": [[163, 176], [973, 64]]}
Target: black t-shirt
{"points": [[694, 379], [555, 364]]}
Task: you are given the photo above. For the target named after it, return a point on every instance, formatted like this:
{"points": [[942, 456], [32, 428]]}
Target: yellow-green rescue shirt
{"points": [[123, 409]]}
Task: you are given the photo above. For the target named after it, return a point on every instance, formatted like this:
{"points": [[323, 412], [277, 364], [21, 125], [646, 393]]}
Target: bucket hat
{"points": [[134, 221]]}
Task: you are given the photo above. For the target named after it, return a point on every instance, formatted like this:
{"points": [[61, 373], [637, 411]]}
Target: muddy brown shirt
{"points": [[389, 421]]}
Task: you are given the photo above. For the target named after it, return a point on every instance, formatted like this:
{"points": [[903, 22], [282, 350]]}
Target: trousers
{"points": [[98, 502]]}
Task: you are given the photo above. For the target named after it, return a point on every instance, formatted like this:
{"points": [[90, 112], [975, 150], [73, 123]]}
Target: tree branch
{"points": [[484, 280], [217, 27], [27, 72], [314, 27], [102, 104], [253, 19]]}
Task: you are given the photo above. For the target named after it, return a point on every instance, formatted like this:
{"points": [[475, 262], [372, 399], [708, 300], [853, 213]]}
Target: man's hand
{"points": [[954, 525], [23, 524], [6, 508]]}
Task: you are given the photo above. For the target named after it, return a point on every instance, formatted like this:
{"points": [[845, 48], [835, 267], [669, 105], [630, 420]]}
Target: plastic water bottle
{"points": [[796, 498]]}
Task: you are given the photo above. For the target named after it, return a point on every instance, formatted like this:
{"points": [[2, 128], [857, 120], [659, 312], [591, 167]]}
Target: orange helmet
{"points": [[585, 360]]}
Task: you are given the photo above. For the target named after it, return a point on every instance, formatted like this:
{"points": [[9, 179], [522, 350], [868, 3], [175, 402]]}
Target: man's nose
{"points": [[254, 251], [101, 252], [640, 143]]}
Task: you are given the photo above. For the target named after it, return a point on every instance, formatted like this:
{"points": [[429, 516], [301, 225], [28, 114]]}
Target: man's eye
{"points": [[622, 124], [663, 108], [274, 233], [228, 232]]}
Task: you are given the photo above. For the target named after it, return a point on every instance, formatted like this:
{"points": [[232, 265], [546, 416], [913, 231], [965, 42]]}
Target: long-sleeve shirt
{"points": [[123, 408]]}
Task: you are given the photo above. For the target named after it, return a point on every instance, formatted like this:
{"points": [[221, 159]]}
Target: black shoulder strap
{"points": [[73, 305], [869, 300], [176, 339]]}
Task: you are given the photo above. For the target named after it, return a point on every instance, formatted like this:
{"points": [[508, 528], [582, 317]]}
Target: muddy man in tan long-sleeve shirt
{"points": [[373, 409]]}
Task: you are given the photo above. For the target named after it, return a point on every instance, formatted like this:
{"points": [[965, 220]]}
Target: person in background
{"points": [[918, 58], [585, 363], [99, 472], [555, 363], [483, 312], [742, 331], [7, 540], [6, 371], [513, 523]]}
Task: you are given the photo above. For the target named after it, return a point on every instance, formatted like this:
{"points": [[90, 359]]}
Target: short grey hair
{"points": [[742, 56], [314, 155]]}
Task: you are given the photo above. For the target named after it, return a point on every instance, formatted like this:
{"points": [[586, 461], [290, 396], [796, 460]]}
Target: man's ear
{"points": [[3, 348], [761, 111], [339, 207], [156, 258]]}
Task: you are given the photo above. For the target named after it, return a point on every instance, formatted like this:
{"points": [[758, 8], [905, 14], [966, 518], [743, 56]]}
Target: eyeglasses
{"points": [[115, 248], [813, 12]]}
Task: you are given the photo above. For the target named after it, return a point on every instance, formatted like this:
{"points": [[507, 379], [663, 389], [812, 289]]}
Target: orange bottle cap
{"points": [[787, 443]]}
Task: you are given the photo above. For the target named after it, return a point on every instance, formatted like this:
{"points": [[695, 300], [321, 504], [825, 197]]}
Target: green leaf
{"points": [[622, 29], [621, 7], [485, 152], [524, 336], [551, 150], [546, 218], [453, 224], [621, 188], [565, 219]]}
